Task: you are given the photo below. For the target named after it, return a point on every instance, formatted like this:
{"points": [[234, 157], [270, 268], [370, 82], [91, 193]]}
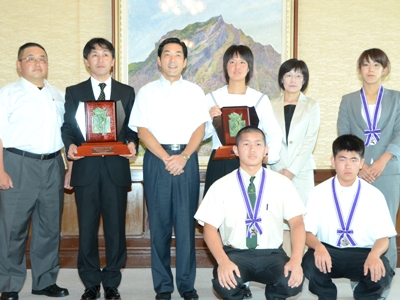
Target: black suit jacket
{"points": [[84, 170]]}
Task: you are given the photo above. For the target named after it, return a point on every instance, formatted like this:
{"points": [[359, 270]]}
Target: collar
{"points": [[165, 82], [341, 189], [95, 82], [246, 176], [29, 84]]}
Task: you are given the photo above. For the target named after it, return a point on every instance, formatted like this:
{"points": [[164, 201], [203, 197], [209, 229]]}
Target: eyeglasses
{"points": [[31, 60], [296, 76]]}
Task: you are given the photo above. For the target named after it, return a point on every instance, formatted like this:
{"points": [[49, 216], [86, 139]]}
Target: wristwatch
{"points": [[185, 156]]}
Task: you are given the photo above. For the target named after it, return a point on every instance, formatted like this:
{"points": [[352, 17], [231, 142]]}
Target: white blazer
{"points": [[296, 155]]}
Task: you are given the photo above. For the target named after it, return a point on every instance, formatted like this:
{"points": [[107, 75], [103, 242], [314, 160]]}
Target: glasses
{"points": [[31, 60], [296, 76]]}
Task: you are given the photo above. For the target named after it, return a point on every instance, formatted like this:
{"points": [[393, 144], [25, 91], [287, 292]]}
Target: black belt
{"points": [[173, 146], [33, 155]]}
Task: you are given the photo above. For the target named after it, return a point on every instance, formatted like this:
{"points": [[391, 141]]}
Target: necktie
{"points": [[102, 96], [251, 242]]}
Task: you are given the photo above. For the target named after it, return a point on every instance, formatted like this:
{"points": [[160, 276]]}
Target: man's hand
{"points": [[375, 265], [296, 276], [226, 276], [366, 174], [73, 149], [5, 181], [175, 164], [132, 150], [323, 260]]}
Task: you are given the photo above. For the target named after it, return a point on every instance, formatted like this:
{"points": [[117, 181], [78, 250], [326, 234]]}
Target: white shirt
{"points": [[371, 220], [80, 111], [30, 118], [223, 207], [171, 112], [267, 122], [97, 90]]}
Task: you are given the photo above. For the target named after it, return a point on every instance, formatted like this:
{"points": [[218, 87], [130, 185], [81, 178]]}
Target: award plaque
{"points": [[228, 124], [101, 130]]}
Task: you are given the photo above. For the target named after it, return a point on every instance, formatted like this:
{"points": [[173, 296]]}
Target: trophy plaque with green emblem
{"points": [[101, 130], [228, 124]]}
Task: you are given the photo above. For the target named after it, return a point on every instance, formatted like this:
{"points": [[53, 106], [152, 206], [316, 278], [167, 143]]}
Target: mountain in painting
{"points": [[207, 42]]}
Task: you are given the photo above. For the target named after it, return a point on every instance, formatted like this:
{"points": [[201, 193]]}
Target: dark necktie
{"points": [[102, 96], [251, 242]]}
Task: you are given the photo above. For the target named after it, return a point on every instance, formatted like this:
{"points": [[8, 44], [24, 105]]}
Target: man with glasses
{"points": [[31, 177]]}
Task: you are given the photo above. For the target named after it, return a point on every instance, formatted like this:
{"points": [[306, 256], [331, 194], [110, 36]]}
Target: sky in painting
{"points": [[149, 20]]}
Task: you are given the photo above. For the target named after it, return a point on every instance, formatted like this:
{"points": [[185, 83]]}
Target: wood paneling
{"points": [[137, 228]]}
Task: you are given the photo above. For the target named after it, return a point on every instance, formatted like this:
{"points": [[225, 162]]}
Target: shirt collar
{"points": [[95, 82], [340, 188], [246, 176], [166, 82], [29, 84]]}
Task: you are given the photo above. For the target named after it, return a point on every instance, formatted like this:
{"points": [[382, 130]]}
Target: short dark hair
{"points": [[348, 142], [245, 53], [377, 55], [249, 129], [172, 40], [27, 45], [297, 65], [103, 43]]}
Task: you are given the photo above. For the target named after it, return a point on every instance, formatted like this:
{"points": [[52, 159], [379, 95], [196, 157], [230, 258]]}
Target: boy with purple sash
{"points": [[348, 228], [247, 207]]}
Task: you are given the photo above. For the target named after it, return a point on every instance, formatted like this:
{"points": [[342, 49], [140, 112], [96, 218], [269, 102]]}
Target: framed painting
{"points": [[208, 27]]}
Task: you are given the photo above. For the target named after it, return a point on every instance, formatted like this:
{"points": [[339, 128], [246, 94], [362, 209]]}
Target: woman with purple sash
{"points": [[373, 114]]}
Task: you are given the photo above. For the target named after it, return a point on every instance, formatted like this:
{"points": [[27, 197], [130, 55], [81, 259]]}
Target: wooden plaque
{"points": [[227, 126], [101, 130], [101, 121]]}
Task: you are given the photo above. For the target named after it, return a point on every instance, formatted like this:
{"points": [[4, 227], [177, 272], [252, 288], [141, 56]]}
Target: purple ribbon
{"points": [[253, 220], [372, 130], [345, 228]]}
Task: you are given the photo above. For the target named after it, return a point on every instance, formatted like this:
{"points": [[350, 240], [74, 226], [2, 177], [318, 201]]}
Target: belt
{"points": [[173, 146], [33, 155]]}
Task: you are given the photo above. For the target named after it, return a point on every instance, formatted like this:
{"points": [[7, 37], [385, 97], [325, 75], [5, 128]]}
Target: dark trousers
{"points": [[264, 266], [171, 201], [101, 197], [37, 196], [346, 263]]}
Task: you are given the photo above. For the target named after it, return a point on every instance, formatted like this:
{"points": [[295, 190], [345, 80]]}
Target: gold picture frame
{"points": [[120, 33]]}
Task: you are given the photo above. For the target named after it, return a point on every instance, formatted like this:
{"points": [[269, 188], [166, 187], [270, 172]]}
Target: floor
{"points": [[137, 284]]}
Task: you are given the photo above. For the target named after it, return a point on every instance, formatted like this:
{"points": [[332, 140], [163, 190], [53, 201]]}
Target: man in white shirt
{"points": [[31, 177], [249, 218], [170, 115], [348, 227]]}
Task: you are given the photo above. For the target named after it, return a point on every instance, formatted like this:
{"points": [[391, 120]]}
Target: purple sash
{"points": [[345, 232], [253, 219], [372, 131]]}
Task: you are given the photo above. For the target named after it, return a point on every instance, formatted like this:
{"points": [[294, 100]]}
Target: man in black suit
{"points": [[100, 182]]}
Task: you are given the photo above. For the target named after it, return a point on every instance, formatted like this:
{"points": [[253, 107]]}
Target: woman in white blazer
{"points": [[298, 117]]}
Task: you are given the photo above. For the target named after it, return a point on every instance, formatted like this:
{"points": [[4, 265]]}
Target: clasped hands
{"points": [[174, 164]]}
